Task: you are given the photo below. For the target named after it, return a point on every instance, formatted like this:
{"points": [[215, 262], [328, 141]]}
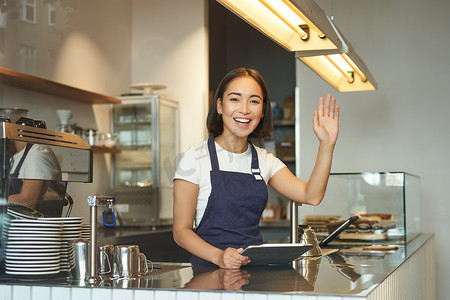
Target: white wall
{"points": [[403, 126], [170, 47], [105, 46], [94, 54]]}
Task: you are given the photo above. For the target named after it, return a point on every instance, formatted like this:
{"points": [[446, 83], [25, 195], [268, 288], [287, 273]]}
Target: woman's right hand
{"points": [[231, 258]]}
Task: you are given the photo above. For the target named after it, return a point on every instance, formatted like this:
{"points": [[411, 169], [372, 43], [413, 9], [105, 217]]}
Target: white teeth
{"points": [[242, 120]]}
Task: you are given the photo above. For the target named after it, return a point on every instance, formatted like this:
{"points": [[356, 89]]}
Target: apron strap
{"points": [[15, 174], [213, 154], [255, 164], [215, 162]]}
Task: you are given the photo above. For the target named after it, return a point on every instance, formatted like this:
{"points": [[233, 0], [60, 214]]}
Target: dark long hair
{"points": [[214, 121]]}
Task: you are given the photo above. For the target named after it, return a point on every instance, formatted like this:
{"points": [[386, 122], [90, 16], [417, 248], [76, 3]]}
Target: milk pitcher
{"points": [[129, 263], [82, 260]]}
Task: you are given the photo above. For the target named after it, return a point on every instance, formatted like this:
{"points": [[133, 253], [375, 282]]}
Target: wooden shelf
{"points": [[36, 84], [103, 149]]}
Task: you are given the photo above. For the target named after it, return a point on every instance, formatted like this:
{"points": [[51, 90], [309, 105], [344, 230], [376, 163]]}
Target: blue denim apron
{"points": [[15, 185], [234, 208]]}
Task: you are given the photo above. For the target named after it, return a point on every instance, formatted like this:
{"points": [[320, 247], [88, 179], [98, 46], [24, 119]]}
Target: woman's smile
{"points": [[241, 120]]}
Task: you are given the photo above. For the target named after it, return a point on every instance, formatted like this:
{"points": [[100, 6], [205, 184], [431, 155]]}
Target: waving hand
{"points": [[326, 120]]}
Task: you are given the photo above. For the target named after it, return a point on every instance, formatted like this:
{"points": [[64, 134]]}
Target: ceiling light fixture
{"points": [[295, 25], [303, 27], [344, 70]]}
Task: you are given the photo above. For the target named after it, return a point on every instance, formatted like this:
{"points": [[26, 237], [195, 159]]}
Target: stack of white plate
{"points": [[33, 247], [86, 231], [17, 211], [71, 231]]}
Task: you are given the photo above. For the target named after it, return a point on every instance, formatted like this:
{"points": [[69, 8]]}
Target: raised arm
{"points": [[326, 128], [185, 201]]}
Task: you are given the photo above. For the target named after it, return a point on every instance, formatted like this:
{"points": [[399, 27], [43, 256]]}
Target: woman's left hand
{"points": [[326, 120]]}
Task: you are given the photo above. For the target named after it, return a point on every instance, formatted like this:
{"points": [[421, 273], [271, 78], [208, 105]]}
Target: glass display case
{"points": [[147, 131], [388, 205]]}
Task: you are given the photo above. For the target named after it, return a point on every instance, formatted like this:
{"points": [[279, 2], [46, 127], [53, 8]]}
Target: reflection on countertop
{"points": [[269, 279], [156, 242]]}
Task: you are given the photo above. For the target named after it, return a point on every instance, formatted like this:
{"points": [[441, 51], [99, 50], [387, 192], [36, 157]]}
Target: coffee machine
{"points": [[59, 158]]}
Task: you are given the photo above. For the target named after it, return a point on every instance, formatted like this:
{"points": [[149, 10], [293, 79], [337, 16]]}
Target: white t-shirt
{"points": [[195, 167], [40, 163]]}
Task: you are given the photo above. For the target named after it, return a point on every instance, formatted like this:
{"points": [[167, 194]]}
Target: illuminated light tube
{"points": [[295, 27], [283, 20], [354, 67], [339, 77], [344, 70]]}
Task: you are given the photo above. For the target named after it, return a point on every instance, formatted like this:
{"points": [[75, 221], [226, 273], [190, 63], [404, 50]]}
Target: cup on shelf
{"points": [[107, 139], [90, 136], [64, 116], [64, 128]]}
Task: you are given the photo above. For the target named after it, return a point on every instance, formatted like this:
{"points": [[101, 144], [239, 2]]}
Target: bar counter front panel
{"points": [[407, 273]]}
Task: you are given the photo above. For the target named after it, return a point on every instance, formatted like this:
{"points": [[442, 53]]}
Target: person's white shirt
{"points": [[195, 167], [40, 163]]}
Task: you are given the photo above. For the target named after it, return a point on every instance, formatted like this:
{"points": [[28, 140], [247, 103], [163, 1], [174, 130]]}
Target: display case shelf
{"points": [[133, 124], [133, 166], [140, 147], [104, 149], [37, 84]]}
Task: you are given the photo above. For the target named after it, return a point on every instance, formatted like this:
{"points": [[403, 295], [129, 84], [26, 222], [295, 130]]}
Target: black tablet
{"points": [[275, 254]]}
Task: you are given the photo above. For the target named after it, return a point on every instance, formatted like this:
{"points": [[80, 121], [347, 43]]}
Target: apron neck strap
{"points": [[215, 162], [213, 153], [255, 164], [19, 165]]}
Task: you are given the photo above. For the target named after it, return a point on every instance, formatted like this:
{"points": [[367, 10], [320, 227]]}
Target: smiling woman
{"points": [[221, 184], [240, 109]]}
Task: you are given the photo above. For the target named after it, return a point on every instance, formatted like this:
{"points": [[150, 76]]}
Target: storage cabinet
{"points": [[147, 130]]}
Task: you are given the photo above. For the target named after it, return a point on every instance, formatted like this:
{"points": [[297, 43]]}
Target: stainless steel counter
{"points": [[347, 273]]}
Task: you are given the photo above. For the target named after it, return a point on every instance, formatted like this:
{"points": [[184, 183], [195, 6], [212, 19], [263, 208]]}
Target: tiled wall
{"points": [[19, 292], [417, 276]]}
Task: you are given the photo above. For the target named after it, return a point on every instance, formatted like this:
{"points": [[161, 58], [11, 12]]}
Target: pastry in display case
{"points": [[387, 203]]}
